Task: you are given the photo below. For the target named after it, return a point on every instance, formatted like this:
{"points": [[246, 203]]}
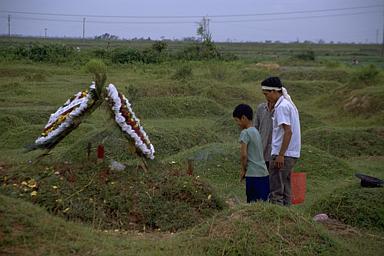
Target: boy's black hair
{"points": [[243, 110]]}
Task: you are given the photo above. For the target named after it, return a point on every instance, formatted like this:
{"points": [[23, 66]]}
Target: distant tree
{"points": [[190, 39], [203, 30], [159, 46], [321, 41], [107, 36]]}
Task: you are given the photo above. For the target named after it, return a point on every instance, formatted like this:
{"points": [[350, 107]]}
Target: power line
{"points": [[44, 19], [196, 16], [193, 22], [295, 18]]}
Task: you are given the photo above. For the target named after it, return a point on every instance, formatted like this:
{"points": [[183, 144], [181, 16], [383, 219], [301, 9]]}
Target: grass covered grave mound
{"points": [[178, 107], [262, 229], [355, 206], [320, 164], [105, 199], [346, 142]]}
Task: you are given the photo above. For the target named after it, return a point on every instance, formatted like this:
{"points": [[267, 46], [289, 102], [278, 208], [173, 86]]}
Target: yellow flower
{"points": [[54, 187], [32, 183], [34, 193]]}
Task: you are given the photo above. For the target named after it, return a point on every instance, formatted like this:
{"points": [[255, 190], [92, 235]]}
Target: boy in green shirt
{"points": [[253, 167]]}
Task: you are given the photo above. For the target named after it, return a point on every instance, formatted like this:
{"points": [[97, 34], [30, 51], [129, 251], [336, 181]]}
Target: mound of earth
{"points": [[158, 198], [262, 229], [346, 142], [354, 205]]}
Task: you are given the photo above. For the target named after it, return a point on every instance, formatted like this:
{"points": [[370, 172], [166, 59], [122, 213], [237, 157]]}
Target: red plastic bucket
{"points": [[298, 187]]}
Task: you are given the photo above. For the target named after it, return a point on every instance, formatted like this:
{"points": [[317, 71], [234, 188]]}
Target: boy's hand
{"points": [[242, 175]]}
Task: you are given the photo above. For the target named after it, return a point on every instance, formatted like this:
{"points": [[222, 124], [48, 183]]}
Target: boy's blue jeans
{"points": [[257, 188]]}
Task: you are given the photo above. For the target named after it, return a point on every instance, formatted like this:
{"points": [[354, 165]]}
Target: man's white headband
{"points": [[271, 88]]}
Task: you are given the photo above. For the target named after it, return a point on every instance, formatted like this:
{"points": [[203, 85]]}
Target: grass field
{"points": [[82, 208]]}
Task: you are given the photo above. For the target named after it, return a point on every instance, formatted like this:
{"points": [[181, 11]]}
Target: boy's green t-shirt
{"points": [[256, 165]]}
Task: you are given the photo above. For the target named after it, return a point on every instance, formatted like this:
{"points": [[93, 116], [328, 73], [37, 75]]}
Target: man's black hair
{"points": [[272, 81], [243, 110]]}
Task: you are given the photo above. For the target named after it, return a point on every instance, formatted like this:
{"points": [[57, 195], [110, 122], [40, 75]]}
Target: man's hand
{"points": [[279, 162]]}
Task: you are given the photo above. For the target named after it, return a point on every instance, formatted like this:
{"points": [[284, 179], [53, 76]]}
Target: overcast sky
{"points": [[240, 20]]}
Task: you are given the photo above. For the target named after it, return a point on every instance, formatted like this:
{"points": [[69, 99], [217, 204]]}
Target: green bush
{"points": [[126, 55], [159, 46], [152, 56], [199, 51], [38, 52], [306, 56], [101, 53]]}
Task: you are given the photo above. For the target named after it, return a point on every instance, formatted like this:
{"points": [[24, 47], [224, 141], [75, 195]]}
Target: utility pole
{"points": [[377, 36], [382, 45], [83, 28], [9, 25], [208, 32], [45, 33]]}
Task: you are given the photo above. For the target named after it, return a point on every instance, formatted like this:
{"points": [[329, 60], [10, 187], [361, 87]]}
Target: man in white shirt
{"points": [[286, 141]]}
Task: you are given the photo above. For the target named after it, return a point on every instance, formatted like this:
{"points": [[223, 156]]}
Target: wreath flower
{"points": [[63, 120], [128, 122]]}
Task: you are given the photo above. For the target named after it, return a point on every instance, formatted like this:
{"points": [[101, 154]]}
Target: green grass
{"points": [[347, 142], [249, 229], [107, 199], [354, 205], [190, 119]]}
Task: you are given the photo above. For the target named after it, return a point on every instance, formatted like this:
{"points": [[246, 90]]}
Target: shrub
{"points": [[152, 56], [159, 46], [56, 53], [101, 53], [126, 55], [203, 51], [306, 56]]}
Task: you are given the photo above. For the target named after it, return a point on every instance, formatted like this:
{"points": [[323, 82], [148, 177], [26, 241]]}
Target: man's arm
{"points": [[243, 160], [256, 118], [284, 145]]}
